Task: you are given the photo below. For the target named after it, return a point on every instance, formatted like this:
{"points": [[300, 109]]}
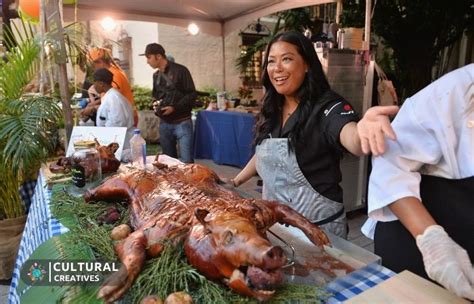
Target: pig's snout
{"points": [[274, 257]]}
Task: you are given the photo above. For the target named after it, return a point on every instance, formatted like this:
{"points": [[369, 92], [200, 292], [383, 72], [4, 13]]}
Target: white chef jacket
{"points": [[435, 136], [115, 111]]}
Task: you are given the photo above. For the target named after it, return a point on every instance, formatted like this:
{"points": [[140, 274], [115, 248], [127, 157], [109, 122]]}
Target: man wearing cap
{"points": [[102, 58], [114, 110], [173, 95]]}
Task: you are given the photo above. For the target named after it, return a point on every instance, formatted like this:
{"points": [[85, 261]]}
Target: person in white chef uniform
{"points": [[114, 110], [421, 191]]}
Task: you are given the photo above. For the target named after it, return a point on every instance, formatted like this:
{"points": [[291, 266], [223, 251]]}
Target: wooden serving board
{"points": [[406, 287], [52, 178]]}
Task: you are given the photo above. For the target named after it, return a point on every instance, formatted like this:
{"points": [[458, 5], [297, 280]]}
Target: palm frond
{"points": [[24, 136], [74, 37], [18, 32], [20, 68]]}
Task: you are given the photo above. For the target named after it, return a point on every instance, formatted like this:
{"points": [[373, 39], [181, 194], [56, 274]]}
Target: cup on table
{"points": [[221, 101]]}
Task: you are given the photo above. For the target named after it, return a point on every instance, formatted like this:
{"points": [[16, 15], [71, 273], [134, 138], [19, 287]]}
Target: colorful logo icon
{"points": [[36, 272]]}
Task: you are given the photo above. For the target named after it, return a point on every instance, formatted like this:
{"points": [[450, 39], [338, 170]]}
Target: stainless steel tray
{"points": [[309, 264]]}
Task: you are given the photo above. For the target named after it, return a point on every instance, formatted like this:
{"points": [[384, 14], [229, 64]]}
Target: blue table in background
{"points": [[225, 137]]}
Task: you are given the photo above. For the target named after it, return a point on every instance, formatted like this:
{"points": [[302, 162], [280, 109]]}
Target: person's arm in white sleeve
{"points": [[395, 174], [101, 117], [394, 191]]}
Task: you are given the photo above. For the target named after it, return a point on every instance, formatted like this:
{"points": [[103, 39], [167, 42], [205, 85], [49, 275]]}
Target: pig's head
{"points": [[228, 246]]}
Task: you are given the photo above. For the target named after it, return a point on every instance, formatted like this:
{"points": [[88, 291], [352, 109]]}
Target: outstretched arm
{"points": [[368, 135], [247, 173]]}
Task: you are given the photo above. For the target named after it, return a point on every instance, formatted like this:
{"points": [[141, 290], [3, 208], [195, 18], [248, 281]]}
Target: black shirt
{"points": [[174, 87], [319, 153]]}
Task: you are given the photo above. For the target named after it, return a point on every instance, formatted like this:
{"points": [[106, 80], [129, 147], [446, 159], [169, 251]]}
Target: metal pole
{"points": [[42, 20], [223, 57], [55, 28], [338, 11], [368, 9]]}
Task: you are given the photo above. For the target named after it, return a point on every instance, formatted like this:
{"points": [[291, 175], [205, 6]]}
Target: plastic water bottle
{"points": [[138, 149]]}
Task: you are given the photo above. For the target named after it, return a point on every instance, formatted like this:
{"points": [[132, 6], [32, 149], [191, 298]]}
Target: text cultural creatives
{"points": [[55, 272]]}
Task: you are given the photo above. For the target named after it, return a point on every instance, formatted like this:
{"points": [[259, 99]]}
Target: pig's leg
{"points": [[114, 189], [132, 254], [286, 215]]}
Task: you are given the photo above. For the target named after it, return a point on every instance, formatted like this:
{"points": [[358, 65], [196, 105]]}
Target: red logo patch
{"points": [[347, 107]]}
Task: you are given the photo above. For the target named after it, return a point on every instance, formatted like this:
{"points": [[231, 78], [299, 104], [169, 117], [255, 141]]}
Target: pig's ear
{"points": [[201, 215]]}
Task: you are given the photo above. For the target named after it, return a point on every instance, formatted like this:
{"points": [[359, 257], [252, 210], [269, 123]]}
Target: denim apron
{"points": [[284, 182]]}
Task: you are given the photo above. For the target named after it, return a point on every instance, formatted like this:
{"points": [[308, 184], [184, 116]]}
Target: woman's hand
{"points": [[373, 128], [229, 181]]}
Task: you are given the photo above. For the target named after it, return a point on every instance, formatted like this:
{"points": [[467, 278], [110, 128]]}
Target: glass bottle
{"points": [[86, 165]]}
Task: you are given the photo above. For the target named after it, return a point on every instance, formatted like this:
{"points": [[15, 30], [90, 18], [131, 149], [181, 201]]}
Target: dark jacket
{"points": [[174, 87]]}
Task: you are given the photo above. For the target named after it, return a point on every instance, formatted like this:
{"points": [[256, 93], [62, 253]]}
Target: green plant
{"points": [[203, 100], [142, 96], [25, 122]]}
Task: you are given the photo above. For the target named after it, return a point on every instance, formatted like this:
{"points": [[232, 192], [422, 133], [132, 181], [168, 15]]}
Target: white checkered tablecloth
{"points": [[356, 282], [40, 226]]}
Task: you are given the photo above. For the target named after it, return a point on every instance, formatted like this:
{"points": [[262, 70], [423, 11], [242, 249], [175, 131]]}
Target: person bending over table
{"points": [[421, 191], [114, 109], [302, 132]]}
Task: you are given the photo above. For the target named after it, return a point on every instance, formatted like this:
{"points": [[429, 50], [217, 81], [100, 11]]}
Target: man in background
{"points": [[102, 59], [173, 95]]}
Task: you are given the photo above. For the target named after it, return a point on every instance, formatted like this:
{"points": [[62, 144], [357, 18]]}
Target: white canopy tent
{"points": [[215, 17]]}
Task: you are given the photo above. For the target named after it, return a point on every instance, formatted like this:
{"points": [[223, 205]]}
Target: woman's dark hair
{"points": [[313, 87]]}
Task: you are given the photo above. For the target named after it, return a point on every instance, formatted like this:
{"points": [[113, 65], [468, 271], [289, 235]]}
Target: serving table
{"points": [[41, 226]]}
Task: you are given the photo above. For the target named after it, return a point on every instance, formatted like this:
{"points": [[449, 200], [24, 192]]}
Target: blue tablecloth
{"points": [[225, 137], [41, 226]]}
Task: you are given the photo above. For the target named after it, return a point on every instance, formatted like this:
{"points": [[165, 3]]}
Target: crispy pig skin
{"points": [[224, 234]]}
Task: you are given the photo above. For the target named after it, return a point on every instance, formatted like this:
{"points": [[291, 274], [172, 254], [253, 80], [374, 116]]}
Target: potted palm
{"points": [[25, 141]]}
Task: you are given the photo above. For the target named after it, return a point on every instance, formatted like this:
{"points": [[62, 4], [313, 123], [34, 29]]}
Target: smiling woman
{"points": [[302, 132]]}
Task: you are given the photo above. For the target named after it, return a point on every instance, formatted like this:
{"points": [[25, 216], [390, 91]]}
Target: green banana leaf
{"points": [[58, 248]]}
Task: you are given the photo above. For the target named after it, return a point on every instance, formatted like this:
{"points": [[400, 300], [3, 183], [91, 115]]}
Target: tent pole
{"points": [[338, 11], [368, 9], [223, 57]]}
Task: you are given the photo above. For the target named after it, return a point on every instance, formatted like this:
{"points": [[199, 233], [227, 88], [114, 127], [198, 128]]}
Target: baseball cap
{"points": [[153, 49]]}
